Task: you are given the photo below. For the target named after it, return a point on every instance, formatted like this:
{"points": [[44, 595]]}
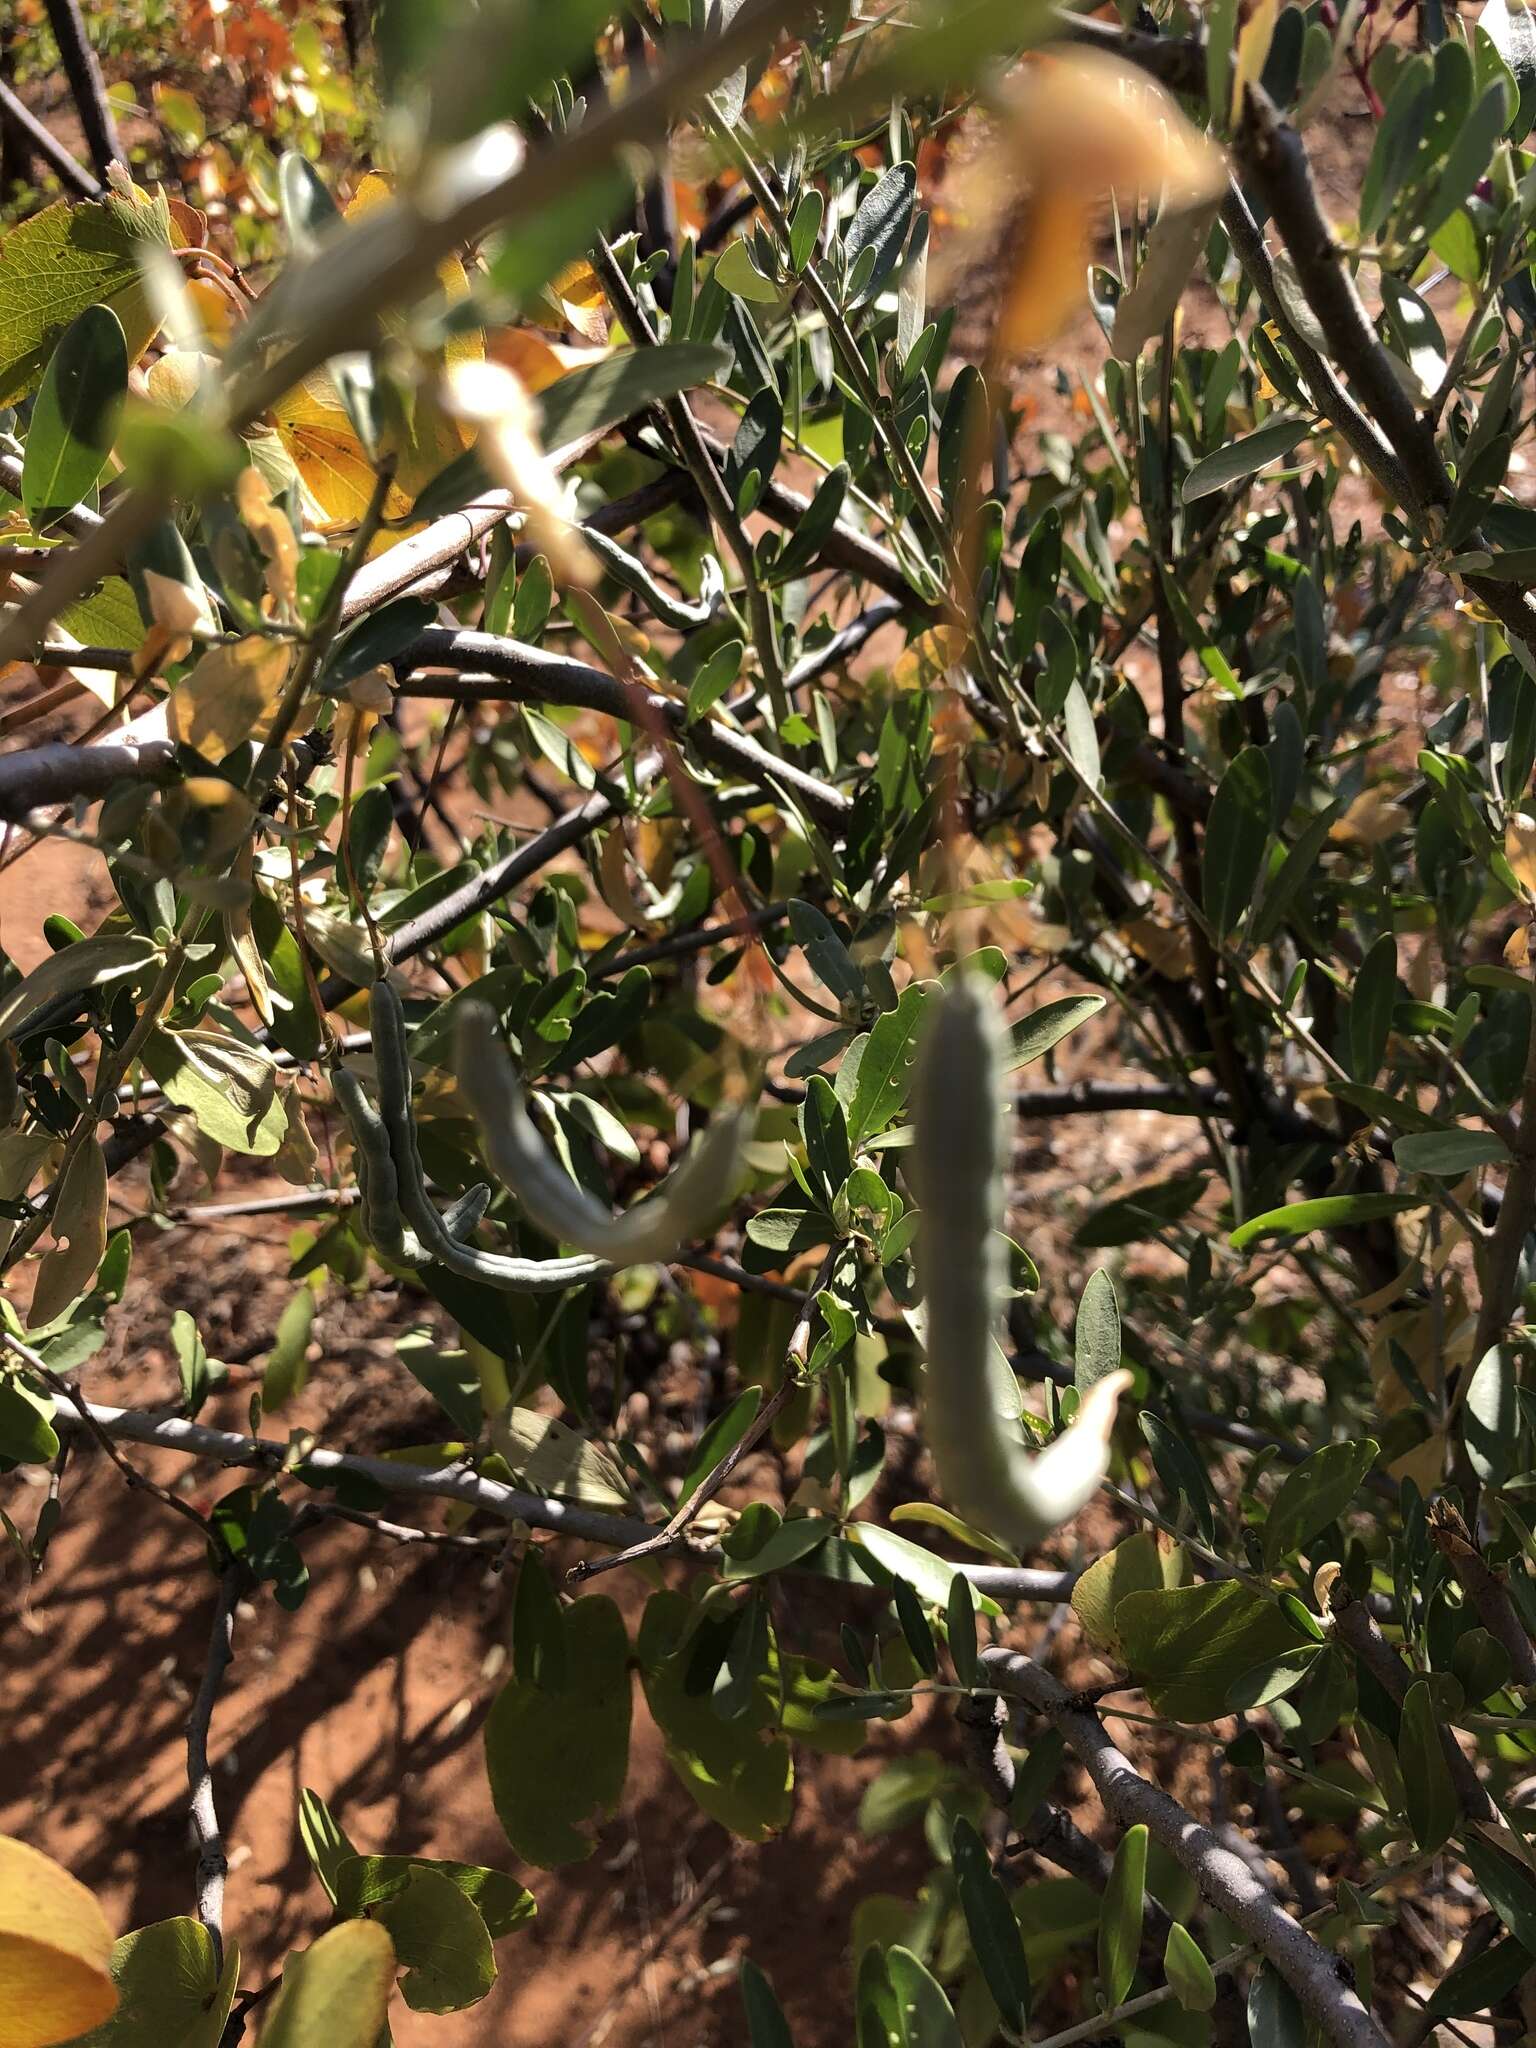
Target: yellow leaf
{"points": [[230, 696], [1520, 850], [539, 363], [574, 299], [55, 1952], [313, 425], [1253, 41], [1048, 273], [1371, 820], [1075, 126], [613, 879], [930, 657], [270, 527], [1517, 947], [335, 1994], [548, 1456], [173, 380], [491, 397]]}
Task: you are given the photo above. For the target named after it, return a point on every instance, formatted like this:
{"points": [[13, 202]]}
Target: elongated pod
{"points": [[958, 1159], [383, 1224], [687, 1203], [512, 1276]]}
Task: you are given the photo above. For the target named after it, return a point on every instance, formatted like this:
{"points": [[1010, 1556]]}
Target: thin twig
{"points": [[489, 666], [1320, 1983], [207, 1836], [675, 1529], [450, 1482], [58, 159], [1357, 1629], [96, 1429], [1487, 1589], [86, 84]]}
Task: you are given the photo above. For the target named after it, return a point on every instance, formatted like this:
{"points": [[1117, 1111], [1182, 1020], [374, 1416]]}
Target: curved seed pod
{"points": [[461, 1219], [512, 1276], [673, 611], [688, 1202], [383, 1225], [983, 1466]]}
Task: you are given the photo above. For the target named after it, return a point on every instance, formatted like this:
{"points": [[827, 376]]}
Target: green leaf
{"points": [[227, 1087], [713, 678], [1468, 159], [937, 1517], [169, 1988], [739, 1770], [1490, 1425], [1508, 1886], [27, 1434], [884, 1065], [1096, 1341], [1480, 1982], [1245, 457], [1236, 835], [287, 1367], [585, 401], [791, 1542], [62, 262], [500, 1900], [736, 273], [1275, 2019], [450, 1377], [928, 1576], [1433, 1807], [1371, 1002], [1449, 1153], [1272, 1680], [1188, 1644], [1131, 1218], [1185, 1966], [1143, 1563], [75, 415], [326, 1843], [994, 1932], [87, 964], [1121, 1916], [1313, 1494], [1327, 1212], [722, 1435], [827, 956], [334, 1994], [924, 2015], [960, 1630], [1033, 1036], [439, 1936], [766, 2024], [880, 225], [559, 1756]]}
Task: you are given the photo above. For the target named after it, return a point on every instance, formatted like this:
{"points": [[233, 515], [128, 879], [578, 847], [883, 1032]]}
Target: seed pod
{"points": [[512, 1276], [383, 1225], [983, 1466], [461, 1219], [688, 1202]]}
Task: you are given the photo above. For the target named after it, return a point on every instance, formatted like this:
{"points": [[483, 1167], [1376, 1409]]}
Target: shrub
{"points": [[893, 709]]}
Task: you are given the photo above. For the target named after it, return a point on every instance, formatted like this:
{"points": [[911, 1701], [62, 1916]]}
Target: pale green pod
{"points": [[512, 1276], [383, 1225], [688, 1202], [984, 1468], [461, 1219]]}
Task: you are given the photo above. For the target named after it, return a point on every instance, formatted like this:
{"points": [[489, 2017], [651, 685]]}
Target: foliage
{"points": [[628, 419]]}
